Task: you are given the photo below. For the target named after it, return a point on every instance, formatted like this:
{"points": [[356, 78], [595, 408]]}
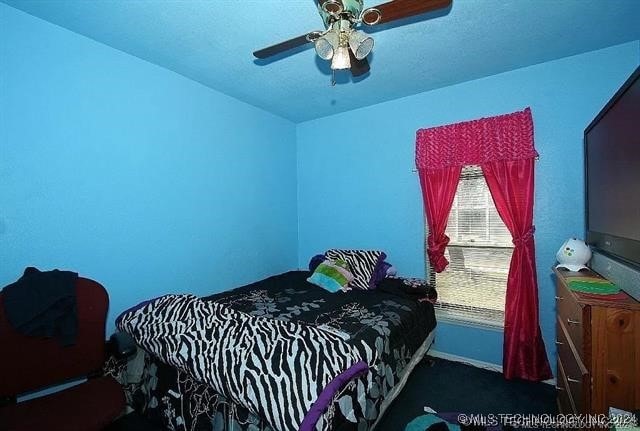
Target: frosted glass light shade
{"points": [[341, 59], [573, 255], [326, 45], [361, 44]]}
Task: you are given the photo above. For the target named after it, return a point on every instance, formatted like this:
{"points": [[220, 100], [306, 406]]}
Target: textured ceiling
{"points": [[212, 41]]}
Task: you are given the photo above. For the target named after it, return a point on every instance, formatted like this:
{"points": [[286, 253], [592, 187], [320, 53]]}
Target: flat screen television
{"points": [[612, 175]]}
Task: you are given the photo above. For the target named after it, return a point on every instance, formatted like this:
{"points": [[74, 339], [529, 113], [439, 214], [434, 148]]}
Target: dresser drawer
{"points": [[573, 315], [565, 403], [576, 375]]}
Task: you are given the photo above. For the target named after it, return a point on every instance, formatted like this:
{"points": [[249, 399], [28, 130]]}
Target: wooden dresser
{"points": [[598, 345]]}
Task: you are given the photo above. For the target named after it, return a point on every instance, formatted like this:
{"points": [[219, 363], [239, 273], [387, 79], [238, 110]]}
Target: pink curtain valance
{"points": [[503, 137]]}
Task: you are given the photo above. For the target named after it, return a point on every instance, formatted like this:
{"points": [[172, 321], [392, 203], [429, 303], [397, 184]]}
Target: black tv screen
{"points": [[612, 160]]}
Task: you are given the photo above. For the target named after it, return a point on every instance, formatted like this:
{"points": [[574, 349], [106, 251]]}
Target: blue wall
{"points": [[133, 175], [356, 187]]}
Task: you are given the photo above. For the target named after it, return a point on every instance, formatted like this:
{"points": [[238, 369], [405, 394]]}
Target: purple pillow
{"points": [[380, 273], [315, 261]]}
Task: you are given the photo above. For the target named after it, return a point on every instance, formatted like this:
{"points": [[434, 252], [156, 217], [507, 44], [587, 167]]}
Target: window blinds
{"points": [[472, 288]]}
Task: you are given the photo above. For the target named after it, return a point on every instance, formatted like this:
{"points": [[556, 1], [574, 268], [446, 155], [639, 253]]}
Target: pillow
{"points": [[381, 272], [362, 263], [315, 261], [332, 275]]}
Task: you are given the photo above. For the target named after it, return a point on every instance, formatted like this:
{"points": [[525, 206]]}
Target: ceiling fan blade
{"points": [[398, 9], [283, 46], [358, 67]]}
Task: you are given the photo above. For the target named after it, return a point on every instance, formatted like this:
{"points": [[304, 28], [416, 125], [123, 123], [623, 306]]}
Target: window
{"points": [[472, 288]]}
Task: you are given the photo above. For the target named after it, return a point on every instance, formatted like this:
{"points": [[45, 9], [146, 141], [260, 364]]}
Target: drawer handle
{"points": [[559, 343], [573, 322], [559, 298], [558, 388], [570, 380]]}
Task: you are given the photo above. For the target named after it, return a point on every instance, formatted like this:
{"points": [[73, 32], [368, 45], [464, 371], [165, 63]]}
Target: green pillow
{"points": [[332, 275]]}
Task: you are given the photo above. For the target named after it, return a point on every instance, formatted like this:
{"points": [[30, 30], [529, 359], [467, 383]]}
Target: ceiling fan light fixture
{"points": [[361, 44], [341, 60], [341, 43], [341, 57], [326, 45]]}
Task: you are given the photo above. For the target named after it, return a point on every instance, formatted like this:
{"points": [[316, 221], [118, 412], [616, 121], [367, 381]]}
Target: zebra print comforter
{"points": [[390, 322], [274, 368]]}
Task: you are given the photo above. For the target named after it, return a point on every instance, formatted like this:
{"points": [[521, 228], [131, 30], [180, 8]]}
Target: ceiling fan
{"points": [[342, 42]]}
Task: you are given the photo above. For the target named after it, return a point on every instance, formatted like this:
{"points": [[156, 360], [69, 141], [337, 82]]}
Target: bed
{"points": [[392, 322]]}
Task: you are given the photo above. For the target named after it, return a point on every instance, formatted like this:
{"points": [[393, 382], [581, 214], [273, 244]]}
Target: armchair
{"points": [[31, 363]]}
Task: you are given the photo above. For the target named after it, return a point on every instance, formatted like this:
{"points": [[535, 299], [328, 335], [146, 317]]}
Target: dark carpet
{"points": [[447, 386]]}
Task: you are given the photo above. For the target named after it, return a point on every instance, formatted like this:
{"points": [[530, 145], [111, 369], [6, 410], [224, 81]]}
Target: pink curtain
{"points": [[438, 189], [511, 186], [503, 146]]}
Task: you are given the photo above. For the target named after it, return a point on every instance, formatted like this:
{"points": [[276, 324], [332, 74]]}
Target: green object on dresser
{"points": [[597, 286]]}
